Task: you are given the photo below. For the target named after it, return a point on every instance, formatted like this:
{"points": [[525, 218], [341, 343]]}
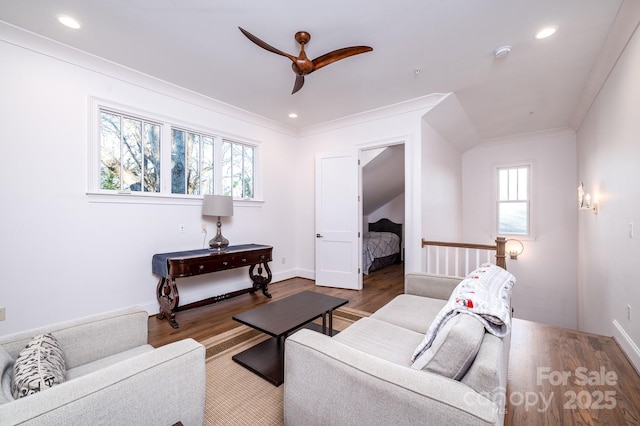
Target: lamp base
{"points": [[218, 242]]}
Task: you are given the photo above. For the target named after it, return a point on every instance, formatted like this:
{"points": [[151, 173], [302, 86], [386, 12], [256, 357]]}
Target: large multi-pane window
{"points": [[513, 203], [136, 152]]}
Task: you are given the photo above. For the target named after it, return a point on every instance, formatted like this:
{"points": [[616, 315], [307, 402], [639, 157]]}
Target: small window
{"points": [[129, 153], [513, 201], [237, 169], [191, 163]]}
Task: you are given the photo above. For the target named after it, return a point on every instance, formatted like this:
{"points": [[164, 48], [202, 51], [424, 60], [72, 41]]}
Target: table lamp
{"points": [[217, 205]]}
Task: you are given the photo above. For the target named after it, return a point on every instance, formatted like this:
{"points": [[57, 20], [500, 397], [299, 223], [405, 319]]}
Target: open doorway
{"points": [[383, 206]]}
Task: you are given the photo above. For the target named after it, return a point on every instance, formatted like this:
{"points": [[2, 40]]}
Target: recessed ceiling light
{"points": [[293, 115], [69, 22], [546, 32]]}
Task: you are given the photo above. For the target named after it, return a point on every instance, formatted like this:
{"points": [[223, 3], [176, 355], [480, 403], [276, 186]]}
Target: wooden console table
{"points": [[197, 262]]}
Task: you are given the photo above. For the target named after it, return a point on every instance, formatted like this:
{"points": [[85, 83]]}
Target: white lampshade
{"points": [[217, 205]]}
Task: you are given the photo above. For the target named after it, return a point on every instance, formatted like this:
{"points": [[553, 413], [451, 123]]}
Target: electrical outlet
{"points": [[284, 260], [1, 313], [629, 312], [180, 229], [203, 228]]}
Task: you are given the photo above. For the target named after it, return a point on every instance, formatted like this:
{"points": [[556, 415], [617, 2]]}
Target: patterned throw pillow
{"points": [[40, 365]]}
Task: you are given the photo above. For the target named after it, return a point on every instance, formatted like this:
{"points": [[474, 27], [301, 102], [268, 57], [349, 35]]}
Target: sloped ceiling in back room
{"points": [[382, 178]]}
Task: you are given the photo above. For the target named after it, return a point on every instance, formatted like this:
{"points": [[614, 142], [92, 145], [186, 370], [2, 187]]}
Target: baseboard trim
{"points": [[306, 273], [627, 345]]}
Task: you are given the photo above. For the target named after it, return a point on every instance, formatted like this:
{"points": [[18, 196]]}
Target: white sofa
{"points": [[113, 376], [364, 374]]}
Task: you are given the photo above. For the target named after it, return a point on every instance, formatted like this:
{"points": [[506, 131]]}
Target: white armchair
{"points": [[113, 376]]}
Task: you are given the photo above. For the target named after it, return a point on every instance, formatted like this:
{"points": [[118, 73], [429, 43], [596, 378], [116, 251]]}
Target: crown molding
{"points": [[423, 103]]}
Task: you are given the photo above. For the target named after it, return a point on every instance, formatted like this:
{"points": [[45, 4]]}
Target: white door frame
{"points": [[376, 145]]}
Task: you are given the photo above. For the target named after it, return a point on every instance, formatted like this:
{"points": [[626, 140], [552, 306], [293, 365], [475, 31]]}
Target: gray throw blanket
{"points": [[485, 294]]}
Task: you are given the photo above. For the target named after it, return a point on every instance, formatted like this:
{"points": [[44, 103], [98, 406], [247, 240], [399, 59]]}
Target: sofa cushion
{"points": [[39, 366], [90, 367], [381, 339], [409, 311], [488, 373], [428, 285], [454, 348]]}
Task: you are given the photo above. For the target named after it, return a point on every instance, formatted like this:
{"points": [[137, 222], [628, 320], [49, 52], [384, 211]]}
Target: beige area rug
{"points": [[235, 395]]}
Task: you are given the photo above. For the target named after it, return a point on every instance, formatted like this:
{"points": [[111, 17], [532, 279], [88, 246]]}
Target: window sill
{"points": [[517, 237], [184, 200]]}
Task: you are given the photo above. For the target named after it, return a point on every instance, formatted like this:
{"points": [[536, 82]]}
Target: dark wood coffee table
{"points": [[279, 319]]}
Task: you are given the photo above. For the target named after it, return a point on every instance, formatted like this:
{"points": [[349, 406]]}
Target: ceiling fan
{"points": [[301, 64]]}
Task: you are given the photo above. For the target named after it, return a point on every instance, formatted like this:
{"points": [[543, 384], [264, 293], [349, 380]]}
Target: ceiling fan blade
{"points": [[264, 45], [336, 55], [298, 84]]}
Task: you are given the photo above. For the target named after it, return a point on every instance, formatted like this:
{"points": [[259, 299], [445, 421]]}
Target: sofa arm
{"points": [[327, 382], [159, 387], [90, 338], [434, 286]]}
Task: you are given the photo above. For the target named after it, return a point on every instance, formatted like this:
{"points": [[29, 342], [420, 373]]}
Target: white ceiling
{"points": [[196, 44]]}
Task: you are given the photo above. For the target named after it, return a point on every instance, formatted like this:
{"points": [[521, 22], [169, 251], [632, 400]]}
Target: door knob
{"points": [[318, 235]]}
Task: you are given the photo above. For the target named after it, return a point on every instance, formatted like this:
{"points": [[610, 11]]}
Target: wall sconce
{"points": [[514, 248], [584, 200]]}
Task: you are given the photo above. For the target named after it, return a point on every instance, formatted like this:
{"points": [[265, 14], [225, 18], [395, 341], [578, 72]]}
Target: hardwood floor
{"points": [[200, 323], [559, 376], [556, 376]]}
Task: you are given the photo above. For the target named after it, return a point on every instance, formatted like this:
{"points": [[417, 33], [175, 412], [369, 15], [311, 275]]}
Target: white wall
{"points": [[441, 187], [393, 210], [609, 164], [546, 272], [396, 124], [64, 256]]}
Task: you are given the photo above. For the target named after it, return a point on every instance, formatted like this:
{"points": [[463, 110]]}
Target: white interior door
{"points": [[337, 221]]}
